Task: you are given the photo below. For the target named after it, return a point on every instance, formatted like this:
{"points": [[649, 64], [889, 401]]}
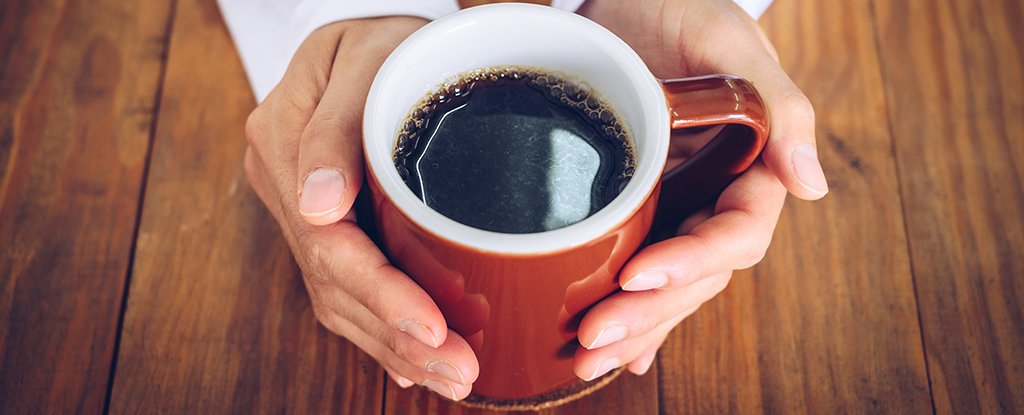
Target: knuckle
{"points": [[795, 102], [256, 125], [753, 254], [319, 285], [720, 283], [250, 166], [312, 254], [318, 312], [330, 127], [317, 257], [325, 317], [397, 342]]}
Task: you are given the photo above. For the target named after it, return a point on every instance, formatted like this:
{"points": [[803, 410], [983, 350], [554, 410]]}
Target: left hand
{"points": [[667, 281]]}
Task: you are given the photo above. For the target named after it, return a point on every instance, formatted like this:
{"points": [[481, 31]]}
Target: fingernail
{"points": [[403, 382], [606, 366], [608, 336], [808, 169], [419, 331], [322, 192], [646, 281], [645, 365], [446, 369], [441, 388]]}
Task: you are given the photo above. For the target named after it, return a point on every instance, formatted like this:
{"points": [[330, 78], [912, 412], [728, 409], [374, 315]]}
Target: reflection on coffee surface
{"points": [[514, 150]]}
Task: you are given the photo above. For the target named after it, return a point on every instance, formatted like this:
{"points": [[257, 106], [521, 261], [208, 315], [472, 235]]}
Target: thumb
{"points": [[790, 152], [330, 163]]}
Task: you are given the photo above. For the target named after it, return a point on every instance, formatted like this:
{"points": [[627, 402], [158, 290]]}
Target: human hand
{"points": [[667, 281], [305, 162]]}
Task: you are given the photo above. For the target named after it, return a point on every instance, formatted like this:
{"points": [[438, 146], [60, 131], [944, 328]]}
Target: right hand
{"points": [[305, 162]]}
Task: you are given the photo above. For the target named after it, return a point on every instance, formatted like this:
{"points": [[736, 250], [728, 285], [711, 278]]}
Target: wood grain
{"points": [[827, 322], [78, 81], [217, 320], [954, 73]]}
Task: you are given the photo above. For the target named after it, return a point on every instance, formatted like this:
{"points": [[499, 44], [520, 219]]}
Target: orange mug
{"points": [[518, 298]]}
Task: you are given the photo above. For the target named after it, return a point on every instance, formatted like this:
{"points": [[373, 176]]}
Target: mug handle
{"points": [[707, 101]]}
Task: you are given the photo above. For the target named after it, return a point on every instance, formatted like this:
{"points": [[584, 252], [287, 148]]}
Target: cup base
{"points": [[544, 401]]}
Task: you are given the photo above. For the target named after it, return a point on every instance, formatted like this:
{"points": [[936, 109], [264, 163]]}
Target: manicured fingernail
{"points": [[645, 365], [441, 388], [808, 169], [606, 366], [646, 281], [446, 369], [607, 336], [401, 381], [419, 331], [322, 192]]}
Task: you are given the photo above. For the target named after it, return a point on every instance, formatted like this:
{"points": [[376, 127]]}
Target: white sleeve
{"points": [[267, 32], [755, 8]]}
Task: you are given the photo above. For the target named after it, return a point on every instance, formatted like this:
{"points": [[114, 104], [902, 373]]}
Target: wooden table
{"points": [[139, 273]]}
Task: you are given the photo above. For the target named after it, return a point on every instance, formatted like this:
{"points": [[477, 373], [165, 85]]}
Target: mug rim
{"points": [[380, 163]]}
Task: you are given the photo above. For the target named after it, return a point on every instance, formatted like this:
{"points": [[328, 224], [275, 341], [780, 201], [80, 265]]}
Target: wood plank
{"points": [[78, 84], [217, 318], [953, 72], [827, 323]]}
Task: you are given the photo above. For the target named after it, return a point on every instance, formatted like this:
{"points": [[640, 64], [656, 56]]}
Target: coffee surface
{"points": [[514, 150]]}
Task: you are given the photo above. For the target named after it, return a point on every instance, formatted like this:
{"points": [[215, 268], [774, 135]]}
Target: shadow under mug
{"points": [[518, 298]]}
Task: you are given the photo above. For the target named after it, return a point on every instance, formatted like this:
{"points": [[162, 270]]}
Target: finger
{"points": [[735, 238], [399, 379], [695, 219], [790, 151], [330, 165], [274, 127], [454, 360], [384, 355], [642, 363], [626, 315], [340, 255], [592, 364]]}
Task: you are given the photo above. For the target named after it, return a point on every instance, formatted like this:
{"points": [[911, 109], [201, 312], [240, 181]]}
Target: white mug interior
{"points": [[517, 35]]}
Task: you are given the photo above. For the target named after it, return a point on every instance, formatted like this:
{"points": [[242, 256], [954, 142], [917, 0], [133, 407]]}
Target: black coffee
{"points": [[514, 150]]}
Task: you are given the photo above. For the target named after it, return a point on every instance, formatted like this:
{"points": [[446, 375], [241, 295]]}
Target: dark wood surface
{"points": [[139, 273], [954, 83], [79, 83]]}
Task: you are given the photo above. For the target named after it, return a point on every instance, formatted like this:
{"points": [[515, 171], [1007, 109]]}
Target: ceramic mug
{"points": [[517, 298]]}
